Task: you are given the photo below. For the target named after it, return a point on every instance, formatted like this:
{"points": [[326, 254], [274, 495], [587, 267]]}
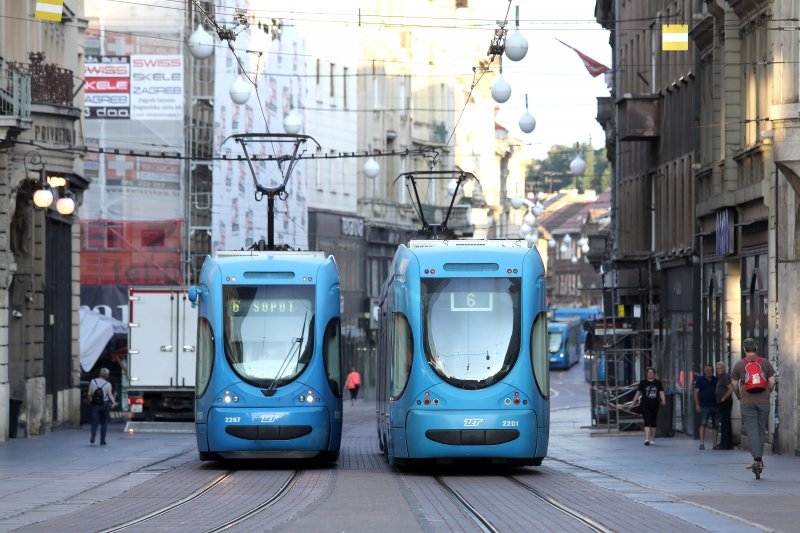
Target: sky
{"points": [[562, 95]]}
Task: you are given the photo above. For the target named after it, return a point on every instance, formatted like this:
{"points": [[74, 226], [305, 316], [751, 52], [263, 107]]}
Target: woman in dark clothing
{"points": [[651, 392]]}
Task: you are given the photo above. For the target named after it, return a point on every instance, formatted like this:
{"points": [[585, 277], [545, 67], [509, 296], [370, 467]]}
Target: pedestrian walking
{"points": [[353, 384], [101, 397], [753, 381], [724, 406], [651, 393], [705, 403]]}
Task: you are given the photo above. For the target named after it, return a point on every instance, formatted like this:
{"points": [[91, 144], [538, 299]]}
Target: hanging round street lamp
{"points": [[526, 122], [201, 43], [371, 168], [292, 122], [240, 91], [516, 44], [501, 90]]}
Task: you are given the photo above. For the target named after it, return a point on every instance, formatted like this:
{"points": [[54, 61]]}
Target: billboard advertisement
{"points": [[133, 212]]}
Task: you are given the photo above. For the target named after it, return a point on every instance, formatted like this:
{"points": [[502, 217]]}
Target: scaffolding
{"points": [[621, 349]]}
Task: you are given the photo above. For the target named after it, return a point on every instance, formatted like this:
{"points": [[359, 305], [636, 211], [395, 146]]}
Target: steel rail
{"points": [[254, 511], [472, 513], [577, 515], [193, 496]]}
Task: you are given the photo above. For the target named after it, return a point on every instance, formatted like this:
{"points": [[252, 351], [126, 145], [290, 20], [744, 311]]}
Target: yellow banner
{"points": [[49, 9], [674, 37]]}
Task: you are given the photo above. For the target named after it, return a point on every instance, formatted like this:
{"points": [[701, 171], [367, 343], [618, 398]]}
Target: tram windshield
{"points": [[268, 332], [471, 328], [554, 340]]}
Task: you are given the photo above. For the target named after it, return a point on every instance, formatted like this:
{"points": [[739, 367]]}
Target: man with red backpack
{"points": [[754, 379]]}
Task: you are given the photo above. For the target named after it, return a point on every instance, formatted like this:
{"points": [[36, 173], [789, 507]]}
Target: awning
{"points": [[96, 331]]}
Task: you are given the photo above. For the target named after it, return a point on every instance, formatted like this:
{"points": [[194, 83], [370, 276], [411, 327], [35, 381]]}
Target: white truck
{"points": [[162, 340]]}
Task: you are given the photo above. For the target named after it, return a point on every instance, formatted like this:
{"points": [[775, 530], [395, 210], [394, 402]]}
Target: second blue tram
{"points": [[564, 343], [269, 380], [462, 354]]}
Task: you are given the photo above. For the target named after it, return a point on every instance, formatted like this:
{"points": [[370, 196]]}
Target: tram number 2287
{"points": [[510, 423]]}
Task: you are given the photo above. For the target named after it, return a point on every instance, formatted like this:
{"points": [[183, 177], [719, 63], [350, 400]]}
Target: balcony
{"points": [[639, 117], [15, 101], [49, 83]]}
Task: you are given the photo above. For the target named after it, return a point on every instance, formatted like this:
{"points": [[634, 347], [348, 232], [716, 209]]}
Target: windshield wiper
{"points": [[297, 342]]}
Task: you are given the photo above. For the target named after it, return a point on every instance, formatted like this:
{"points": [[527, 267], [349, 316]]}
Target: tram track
{"points": [[567, 510], [174, 505], [482, 522], [272, 500], [511, 508], [195, 502]]}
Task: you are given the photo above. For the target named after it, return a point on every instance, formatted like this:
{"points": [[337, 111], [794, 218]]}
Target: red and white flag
{"points": [[595, 68]]}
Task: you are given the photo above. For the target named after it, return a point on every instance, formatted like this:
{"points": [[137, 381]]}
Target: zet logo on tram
{"points": [[472, 422]]}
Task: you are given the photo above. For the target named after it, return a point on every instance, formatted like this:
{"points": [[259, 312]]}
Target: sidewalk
{"points": [[63, 467], [710, 488]]}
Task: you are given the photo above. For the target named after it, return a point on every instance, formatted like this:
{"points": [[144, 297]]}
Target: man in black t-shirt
{"points": [[705, 403]]}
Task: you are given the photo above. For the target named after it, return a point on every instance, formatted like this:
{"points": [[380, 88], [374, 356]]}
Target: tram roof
{"points": [[270, 253], [468, 243]]}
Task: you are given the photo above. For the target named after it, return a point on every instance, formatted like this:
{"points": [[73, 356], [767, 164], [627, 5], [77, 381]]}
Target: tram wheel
{"points": [[206, 456], [537, 461], [328, 457]]}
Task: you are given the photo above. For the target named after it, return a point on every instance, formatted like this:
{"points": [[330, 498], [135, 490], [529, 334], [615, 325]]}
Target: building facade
{"points": [[704, 190], [40, 141]]}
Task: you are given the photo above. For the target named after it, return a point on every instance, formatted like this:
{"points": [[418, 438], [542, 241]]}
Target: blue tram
{"points": [[269, 379], [564, 343], [462, 354]]}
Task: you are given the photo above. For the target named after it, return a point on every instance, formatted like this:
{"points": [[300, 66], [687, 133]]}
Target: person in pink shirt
{"points": [[352, 384]]}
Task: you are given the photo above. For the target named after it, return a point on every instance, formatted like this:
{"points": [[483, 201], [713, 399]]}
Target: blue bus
{"points": [[269, 378], [462, 354], [563, 343]]}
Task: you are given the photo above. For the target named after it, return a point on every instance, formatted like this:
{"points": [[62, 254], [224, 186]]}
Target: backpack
{"points": [[98, 396], [754, 379]]}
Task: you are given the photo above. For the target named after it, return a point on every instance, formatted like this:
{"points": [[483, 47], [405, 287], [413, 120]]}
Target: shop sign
{"points": [[724, 232], [352, 227]]}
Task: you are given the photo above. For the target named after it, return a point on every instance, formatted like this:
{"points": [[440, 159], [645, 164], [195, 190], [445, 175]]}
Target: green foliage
{"points": [[552, 173]]}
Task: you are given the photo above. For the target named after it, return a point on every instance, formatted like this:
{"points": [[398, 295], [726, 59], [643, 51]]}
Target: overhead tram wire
{"points": [[474, 84], [646, 27], [178, 41], [420, 152], [327, 16]]}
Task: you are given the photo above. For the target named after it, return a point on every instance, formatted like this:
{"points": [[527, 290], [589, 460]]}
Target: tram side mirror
{"points": [[194, 292]]}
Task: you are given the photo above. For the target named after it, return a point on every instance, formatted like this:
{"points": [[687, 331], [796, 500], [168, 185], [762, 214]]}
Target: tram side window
{"points": [[205, 355], [539, 354], [331, 350], [403, 355]]}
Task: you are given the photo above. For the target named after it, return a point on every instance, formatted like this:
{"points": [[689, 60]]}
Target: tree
{"points": [[552, 173]]}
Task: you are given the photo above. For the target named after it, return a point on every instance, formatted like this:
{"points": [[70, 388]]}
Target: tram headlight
{"points": [[227, 398]]}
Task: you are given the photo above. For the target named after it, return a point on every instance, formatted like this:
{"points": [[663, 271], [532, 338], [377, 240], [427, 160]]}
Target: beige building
{"points": [[705, 189], [41, 104]]}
